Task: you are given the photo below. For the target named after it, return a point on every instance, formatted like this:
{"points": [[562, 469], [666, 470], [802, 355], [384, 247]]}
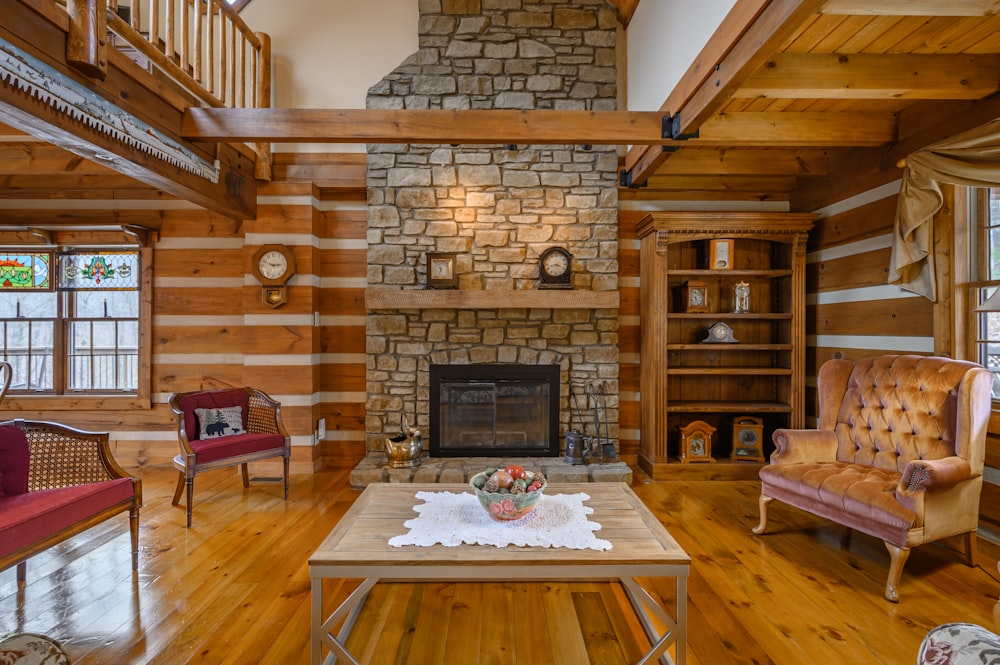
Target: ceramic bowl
{"points": [[501, 506]]}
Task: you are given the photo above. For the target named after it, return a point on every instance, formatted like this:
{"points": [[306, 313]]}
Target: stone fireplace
{"points": [[495, 209]]}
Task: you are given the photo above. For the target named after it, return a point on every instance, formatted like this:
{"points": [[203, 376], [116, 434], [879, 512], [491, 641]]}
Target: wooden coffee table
{"points": [[358, 548]]}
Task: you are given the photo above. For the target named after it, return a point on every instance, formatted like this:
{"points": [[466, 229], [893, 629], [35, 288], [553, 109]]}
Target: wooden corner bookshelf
{"points": [[741, 353]]}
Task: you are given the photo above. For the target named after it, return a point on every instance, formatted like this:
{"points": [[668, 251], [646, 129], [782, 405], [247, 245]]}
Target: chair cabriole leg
{"points": [[897, 557], [246, 475], [765, 501]]}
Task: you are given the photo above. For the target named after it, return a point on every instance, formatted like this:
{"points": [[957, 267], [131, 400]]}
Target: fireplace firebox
{"points": [[494, 410]]}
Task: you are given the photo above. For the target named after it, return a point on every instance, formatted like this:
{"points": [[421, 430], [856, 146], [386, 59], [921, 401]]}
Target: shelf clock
{"points": [[748, 439], [273, 266], [555, 269], [694, 296], [696, 442]]}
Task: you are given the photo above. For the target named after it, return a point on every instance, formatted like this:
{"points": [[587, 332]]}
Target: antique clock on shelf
{"points": [[720, 333], [694, 296], [555, 269], [748, 438], [273, 266], [696, 442]]}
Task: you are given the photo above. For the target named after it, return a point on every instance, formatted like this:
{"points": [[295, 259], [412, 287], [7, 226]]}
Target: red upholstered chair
{"points": [[226, 427]]}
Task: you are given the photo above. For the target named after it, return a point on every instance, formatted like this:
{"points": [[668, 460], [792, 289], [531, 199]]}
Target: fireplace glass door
{"points": [[494, 410]]}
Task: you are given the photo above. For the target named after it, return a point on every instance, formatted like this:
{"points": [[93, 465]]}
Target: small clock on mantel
{"points": [[696, 442], [555, 269], [273, 266]]}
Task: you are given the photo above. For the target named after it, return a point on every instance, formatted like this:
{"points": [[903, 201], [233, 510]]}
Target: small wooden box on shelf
{"points": [[759, 295]]}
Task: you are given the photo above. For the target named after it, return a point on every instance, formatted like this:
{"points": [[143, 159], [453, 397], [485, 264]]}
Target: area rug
{"points": [[558, 520], [31, 649]]}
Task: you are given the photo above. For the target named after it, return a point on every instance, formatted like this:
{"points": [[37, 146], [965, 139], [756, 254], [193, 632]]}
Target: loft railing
{"points": [[203, 44]]}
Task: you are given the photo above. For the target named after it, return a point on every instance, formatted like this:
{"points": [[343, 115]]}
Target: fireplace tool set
{"points": [[583, 449]]}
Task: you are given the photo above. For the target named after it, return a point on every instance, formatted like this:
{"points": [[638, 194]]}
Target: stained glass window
{"points": [[102, 271], [25, 271]]}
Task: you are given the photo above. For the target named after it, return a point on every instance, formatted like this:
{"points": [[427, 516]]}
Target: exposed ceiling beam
{"points": [[747, 161], [530, 127], [625, 10], [912, 7], [778, 129], [751, 32], [423, 126], [874, 76]]}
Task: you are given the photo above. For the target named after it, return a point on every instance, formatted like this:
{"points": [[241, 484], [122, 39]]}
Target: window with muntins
{"points": [[70, 320], [986, 207]]}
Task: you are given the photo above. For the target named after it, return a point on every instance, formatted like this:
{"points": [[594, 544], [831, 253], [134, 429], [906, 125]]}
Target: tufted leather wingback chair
{"points": [[898, 453]]}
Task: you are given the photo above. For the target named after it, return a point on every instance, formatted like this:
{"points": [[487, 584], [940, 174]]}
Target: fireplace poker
{"points": [[592, 392], [576, 406]]}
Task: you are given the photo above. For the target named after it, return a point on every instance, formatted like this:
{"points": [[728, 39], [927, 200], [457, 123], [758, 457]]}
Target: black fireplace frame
{"points": [[496, 372]]}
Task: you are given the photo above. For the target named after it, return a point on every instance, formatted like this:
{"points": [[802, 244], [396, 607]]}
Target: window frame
{"points": [[141, 399], [978, 215]]}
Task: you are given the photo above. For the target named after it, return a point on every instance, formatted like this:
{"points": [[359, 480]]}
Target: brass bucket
{"points": [[402, 451]]}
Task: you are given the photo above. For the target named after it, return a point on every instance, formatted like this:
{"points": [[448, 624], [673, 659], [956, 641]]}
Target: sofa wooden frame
{"points": [[63, 456]]}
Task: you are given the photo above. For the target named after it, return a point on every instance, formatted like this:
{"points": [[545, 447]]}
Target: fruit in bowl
{"points": [[509, 493]]}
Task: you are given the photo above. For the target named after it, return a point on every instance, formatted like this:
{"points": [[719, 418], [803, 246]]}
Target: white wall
{"points": [[327, 53], [664, 37]]}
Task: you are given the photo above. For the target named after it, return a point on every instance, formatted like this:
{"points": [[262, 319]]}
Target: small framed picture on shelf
{"points": [[720, 254], [441, 271]]}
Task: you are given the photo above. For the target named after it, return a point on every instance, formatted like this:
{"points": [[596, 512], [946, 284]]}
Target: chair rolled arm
{"points": [[803, 445], [921, 475]]}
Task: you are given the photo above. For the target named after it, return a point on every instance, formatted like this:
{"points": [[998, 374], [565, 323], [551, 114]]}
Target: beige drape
{"points": [[971, 158]]}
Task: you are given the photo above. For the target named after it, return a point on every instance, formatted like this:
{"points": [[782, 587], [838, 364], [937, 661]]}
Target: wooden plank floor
{"points": [[235, 588]]}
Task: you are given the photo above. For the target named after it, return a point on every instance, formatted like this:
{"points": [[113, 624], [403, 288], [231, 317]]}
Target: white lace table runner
{"points": [[558, 520]]}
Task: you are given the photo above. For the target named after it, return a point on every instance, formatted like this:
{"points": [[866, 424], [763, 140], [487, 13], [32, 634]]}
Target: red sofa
{"points": [[55, 482]]}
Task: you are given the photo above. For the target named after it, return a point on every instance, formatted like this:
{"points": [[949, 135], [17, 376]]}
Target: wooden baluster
{"points": [[154, 24], [199, 35], [231, 98], [135, 13], [185, 49], [168, 30], [210, 36], [223, 69]]}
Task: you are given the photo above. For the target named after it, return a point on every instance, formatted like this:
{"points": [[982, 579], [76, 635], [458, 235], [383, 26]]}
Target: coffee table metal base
{"points": [[647, 608]]}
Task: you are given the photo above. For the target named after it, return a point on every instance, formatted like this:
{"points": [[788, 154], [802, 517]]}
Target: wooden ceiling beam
{"points": [[423, 126], [747, 161], [874, 76], [625, 9], [778, 129], [911, 7], [529, 127], [40, 159], [751, 32]]}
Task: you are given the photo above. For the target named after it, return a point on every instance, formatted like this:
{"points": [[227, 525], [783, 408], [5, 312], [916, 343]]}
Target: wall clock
{"points": [[555, 269], [696, 442], [748, 438], [273, 266], [694, 296]]}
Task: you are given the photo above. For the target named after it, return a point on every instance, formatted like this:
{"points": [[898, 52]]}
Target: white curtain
{"points": [[972, 159]]}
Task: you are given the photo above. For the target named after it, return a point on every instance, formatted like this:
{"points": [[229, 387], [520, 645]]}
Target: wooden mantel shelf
{"points": [[376, 299]]}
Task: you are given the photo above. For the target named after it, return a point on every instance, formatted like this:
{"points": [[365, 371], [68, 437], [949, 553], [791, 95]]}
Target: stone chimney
{"points": [[496, 207]]}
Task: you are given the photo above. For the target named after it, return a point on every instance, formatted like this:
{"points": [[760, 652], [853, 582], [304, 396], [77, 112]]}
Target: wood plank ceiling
{"points": [[787, 96]]}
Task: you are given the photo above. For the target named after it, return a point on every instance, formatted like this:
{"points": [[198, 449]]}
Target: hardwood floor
{"points": [[235, 588]]}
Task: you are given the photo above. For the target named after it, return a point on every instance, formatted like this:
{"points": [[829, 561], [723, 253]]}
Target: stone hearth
{"points": [[461, 469]]}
